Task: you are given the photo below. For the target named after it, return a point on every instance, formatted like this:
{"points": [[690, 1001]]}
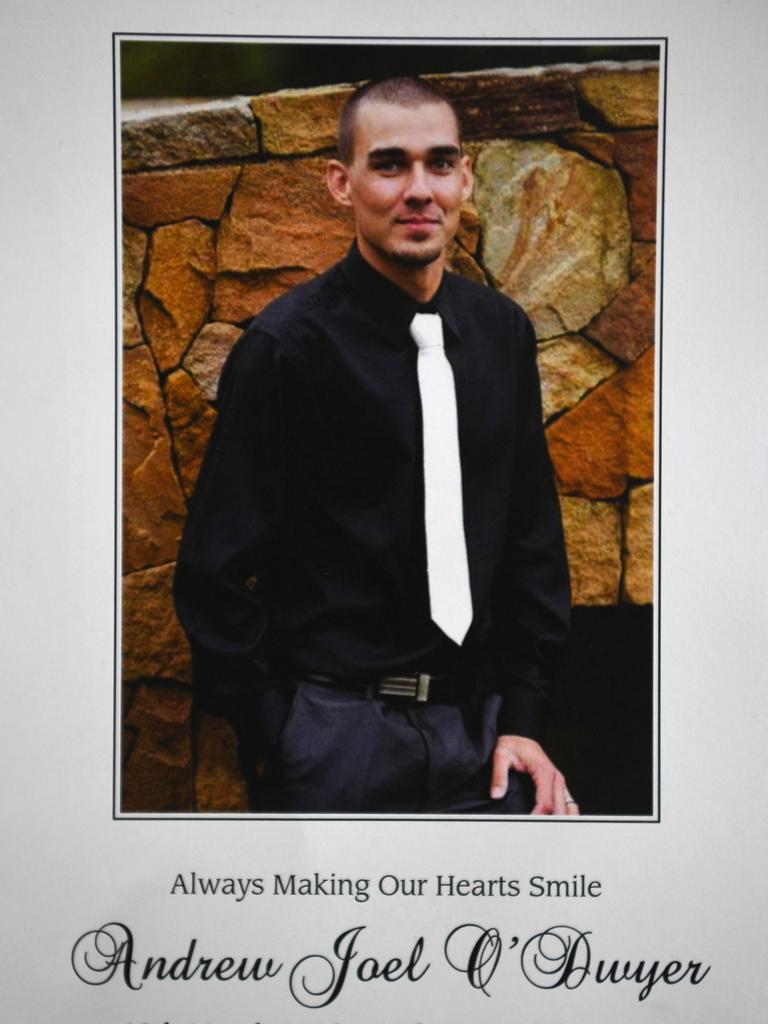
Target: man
{"points": [[374, 556]]}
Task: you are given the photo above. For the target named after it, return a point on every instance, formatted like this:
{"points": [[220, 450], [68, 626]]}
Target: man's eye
{"points": [[387, 166], [443, 163]]}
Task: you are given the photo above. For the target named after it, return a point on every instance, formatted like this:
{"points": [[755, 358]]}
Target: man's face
{"points": [[406, 182]]}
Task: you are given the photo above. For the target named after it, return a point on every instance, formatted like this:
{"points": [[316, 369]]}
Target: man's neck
{"points": [[421, 283]]}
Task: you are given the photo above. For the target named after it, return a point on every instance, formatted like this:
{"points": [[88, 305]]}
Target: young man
{"points": [[374, 555]]}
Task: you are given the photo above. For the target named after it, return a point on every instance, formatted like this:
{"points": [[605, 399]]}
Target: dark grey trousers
{"points": [[337, 752]]}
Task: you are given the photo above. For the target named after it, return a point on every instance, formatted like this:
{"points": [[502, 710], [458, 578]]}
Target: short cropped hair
{"points": [[407, 91]]}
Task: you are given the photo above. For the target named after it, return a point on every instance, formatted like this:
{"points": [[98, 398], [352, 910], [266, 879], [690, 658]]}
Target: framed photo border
{"points": [[247, 817]]}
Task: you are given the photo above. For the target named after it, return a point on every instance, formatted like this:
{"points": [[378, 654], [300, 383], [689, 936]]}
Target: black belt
{"points": [[419, 688]]}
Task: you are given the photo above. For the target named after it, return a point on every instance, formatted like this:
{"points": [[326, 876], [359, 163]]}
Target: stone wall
{"points": [[225, 207]]}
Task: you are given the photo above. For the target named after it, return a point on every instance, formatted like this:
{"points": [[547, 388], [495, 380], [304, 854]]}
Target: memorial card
{"points": [[249, 760]]}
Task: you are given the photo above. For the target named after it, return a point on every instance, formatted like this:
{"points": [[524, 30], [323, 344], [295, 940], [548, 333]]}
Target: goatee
{"points": [[414, 259]]}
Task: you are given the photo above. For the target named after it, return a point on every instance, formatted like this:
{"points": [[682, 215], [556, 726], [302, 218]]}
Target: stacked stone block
{"points": [[225, 208]]}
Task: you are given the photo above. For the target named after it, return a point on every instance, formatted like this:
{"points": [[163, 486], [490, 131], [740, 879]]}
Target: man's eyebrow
{"points": [[391, 151], [398, 152]]}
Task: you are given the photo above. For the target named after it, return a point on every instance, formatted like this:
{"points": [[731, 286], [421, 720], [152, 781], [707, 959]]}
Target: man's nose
{"points": [[418, 188]]}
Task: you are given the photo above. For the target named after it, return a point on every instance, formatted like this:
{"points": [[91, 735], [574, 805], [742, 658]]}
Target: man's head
{"points": [[402, 172], [407, 91]]}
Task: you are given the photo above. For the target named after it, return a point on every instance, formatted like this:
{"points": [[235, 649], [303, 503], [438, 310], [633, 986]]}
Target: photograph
{"points": [[367, 568]]}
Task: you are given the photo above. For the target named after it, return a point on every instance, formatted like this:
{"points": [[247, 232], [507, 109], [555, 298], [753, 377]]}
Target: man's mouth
{"points": [[417, 221]]}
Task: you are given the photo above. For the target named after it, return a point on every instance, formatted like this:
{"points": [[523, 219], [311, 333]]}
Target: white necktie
{"points": [[450, 599]]}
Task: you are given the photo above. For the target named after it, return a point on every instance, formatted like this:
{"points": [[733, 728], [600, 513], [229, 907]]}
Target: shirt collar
{"points": [[388, 304]]}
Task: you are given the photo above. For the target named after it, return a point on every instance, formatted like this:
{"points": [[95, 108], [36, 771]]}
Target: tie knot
{"points": [[427, 330]]}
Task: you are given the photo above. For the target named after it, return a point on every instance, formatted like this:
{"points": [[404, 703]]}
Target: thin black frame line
{"points": [[628, 820], [458, 40], [660, 256], [489, 819], [117, 418]]}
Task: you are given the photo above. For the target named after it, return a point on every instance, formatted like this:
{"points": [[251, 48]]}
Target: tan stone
{"points": [[166, 133], [643, 258], [153, 505], [587, 126], [608, 437], [206, 356], [300, 120], [163, 197], [283, 217], [627, 326], [555, 231], [191, 421], [219, 786], [593, 540], [134, 251], [569, 367], [637, 585], [596, 145], [637, 157], [177, 293], [158, 775], [238, 297], [623, 99], [154, 644]]}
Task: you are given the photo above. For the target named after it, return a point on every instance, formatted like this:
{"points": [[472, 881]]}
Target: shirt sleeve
{"points": [[531, 598], [226, 559]]}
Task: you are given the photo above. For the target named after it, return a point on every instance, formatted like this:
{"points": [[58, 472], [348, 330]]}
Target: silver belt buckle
{"points": [[415, 688]]}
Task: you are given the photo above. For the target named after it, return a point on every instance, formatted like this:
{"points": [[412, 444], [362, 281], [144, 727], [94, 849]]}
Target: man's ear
{"points": [[337, 179], [468, 179]]}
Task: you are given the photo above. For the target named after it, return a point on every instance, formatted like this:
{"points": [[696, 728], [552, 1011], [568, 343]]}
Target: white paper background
{"points": [[691, 887]]}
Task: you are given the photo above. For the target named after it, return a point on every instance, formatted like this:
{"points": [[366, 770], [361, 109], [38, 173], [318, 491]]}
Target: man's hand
{"points": [[526, 755]]}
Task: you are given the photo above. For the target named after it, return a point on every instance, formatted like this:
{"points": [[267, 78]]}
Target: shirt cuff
{"points": [[525, 703], [523, 713]]}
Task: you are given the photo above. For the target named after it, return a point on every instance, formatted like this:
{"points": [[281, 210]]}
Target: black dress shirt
{"points": [[304, 550]]}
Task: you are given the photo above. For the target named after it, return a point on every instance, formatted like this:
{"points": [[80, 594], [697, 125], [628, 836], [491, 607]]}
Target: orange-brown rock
{"points": [[569, 367], [608, 437], [510, 101], [460, 262], [593, 541], [623, 98], [192, 420], [468, 234], [626, 327], [637, 157], [178, 289], [283, 217], [163, 197], [555, 231], [300, 120], [637, 585], [154, 644], [206, 356], [134, 251], [238, 297], [643, 258], [473, 149], [158, 773], [153, 505], [219, 786], [169, 132], [596, 145]]}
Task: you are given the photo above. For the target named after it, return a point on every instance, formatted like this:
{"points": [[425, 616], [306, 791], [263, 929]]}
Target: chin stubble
{"points": [[414, 259]]}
